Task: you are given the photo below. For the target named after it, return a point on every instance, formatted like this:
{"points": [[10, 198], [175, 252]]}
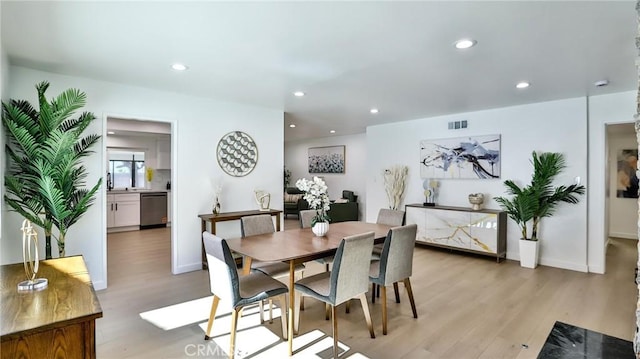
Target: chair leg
{"points": [[367, 314], [234, 327], [373, 293], [261, 312], [212, 316], [283, 314], [347, 307], [326, 267], [296, 312], [326, 311], [407, 284], [301, 297], [395, 290], [378, 291], [334, 320], [384, 310], [270, 311]]}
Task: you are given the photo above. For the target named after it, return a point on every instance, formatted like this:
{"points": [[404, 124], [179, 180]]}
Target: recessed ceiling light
{"points": [[465, 43], [522, 85], [332, 131], [298, 94], [374, 110], [179, 67], [292, 125], [110, 133]]}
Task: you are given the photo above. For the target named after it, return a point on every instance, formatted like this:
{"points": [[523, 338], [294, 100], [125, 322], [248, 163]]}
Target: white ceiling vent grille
{"points": [[456, 125]]}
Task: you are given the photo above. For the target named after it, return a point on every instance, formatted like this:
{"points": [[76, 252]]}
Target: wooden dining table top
{"points": [[300, 244]]}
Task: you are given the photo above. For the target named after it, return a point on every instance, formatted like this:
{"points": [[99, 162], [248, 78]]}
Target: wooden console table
{"points": [[231, 216], [56, 322]]}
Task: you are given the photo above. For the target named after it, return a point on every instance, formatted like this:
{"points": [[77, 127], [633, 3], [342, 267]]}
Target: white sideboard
{"points": [[483, 231]]}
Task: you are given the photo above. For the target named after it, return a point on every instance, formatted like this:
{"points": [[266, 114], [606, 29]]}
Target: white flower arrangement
{"points": [[315, 193]]}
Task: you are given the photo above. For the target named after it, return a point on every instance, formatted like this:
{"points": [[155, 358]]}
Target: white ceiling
{"points": [[347, 56]]}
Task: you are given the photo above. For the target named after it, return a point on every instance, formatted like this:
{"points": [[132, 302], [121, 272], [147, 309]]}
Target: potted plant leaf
{"points": [[537, 200], [45, 177]]}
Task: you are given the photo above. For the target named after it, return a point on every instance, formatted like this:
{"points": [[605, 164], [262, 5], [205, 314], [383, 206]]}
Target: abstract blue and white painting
{"points": [[326, 159], [461, 157]]}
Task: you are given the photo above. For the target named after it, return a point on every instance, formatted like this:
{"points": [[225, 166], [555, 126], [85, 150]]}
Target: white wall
{"points": [[198, 124], [623, 212], [557, 126], [4, 87], [296, 160], [603, 110]]}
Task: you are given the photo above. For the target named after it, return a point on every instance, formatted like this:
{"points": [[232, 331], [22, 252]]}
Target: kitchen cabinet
{"points": [[123, 210], [163, 154]]}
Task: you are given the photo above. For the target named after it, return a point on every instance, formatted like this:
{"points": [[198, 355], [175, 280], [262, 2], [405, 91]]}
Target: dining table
{"points": [[299, 245]]}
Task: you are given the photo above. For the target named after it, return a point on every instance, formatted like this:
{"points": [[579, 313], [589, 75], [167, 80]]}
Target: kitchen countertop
{"points": [[122, 191]]}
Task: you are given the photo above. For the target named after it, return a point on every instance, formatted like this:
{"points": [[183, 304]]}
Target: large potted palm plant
{"points": [[537, 200], [45, 178]]}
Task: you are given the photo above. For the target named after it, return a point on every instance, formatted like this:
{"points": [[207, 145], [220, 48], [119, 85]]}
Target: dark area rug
{"points": [[568, 342]]}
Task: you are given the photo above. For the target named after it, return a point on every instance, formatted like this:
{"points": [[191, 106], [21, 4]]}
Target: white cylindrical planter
{"points": [[320, 228], [528, 253]]}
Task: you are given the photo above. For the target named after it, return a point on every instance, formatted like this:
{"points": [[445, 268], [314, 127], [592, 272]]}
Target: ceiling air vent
{"points": [[456, 125]]}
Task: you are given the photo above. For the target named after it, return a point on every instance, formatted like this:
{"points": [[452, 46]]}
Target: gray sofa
{"points": [[293, 202]]}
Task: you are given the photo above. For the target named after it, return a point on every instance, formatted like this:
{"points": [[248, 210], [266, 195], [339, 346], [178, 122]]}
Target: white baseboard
{"points": [[188, 268], [624, 235], [553, 263], [123, 229], [564, 265], [99, 285], [596, 269]]}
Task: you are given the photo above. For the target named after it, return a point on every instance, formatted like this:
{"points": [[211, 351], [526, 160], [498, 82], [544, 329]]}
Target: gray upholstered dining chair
{"points": [[237, 291], [395, 264], [390, 217], [262, 224], [305, 222], [347, 279], [305, 217]]}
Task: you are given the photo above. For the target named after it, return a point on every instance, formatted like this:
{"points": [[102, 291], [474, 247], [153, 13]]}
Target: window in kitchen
{"points": [[126, 169]]}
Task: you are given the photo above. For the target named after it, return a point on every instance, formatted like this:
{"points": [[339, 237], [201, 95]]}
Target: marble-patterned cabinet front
{"points": [[482, 231]]}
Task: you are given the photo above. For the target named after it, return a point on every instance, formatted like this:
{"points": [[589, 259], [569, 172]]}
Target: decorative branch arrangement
{"points": [[395, 184]]}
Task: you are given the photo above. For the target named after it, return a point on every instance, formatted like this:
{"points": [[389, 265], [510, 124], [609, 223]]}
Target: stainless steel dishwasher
{"points": [[153, 210]]}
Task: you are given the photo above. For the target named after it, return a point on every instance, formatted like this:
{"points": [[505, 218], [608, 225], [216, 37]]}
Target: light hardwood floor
{"points": [[468, 307]]}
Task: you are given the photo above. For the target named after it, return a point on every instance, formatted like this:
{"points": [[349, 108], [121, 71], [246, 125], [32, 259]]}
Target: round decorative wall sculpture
{"points": [[237, 154]]}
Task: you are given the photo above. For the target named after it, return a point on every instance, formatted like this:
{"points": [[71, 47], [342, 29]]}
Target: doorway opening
{"points": [[621, 191], [139, 203]]}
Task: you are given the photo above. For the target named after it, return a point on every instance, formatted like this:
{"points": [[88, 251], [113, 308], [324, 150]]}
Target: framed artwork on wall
{"points": [[328, 159], [627, 181], [475, 157]]}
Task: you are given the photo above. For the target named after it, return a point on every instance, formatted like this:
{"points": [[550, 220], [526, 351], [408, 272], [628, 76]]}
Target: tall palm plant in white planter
{"points": [[537, 200]]}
